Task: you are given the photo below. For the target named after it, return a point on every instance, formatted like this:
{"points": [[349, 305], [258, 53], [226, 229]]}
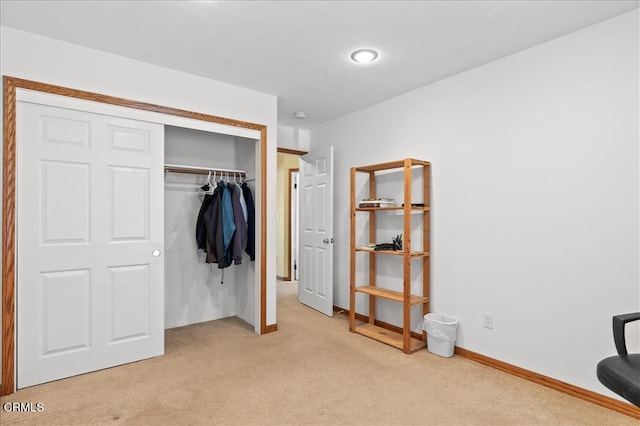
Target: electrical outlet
{"points": [[487, 320]]}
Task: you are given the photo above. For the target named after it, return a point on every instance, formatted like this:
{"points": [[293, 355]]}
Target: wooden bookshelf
{"points": [[410, 259]]}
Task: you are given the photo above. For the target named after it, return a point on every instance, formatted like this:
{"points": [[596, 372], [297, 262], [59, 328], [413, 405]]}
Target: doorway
{"points": [[294, 214], [287, 214], [313, 216]]}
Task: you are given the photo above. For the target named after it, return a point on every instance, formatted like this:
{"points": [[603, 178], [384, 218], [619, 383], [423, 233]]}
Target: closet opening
{"points": [[195, 290]]}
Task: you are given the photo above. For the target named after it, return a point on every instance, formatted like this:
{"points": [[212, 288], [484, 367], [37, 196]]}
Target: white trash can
{"points": [[442, 331]]}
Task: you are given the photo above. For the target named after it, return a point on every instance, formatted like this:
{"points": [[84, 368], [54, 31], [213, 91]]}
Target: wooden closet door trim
{"points": [[8, 239], [263, 234], [11, 84]]}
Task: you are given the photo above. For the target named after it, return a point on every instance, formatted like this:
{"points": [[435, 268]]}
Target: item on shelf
{"points": [[415, 204], [377, 202], [379, 199], [384, 246], [397, 242]]}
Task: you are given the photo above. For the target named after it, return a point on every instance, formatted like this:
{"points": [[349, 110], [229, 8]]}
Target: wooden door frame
{"points": [[10, 86]]}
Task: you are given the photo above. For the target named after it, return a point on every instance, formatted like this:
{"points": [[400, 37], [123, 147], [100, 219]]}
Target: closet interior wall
{"points": [[193, 289]]}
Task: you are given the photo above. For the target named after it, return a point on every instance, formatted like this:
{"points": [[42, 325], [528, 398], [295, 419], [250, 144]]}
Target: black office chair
{"points": [[621, 373]]}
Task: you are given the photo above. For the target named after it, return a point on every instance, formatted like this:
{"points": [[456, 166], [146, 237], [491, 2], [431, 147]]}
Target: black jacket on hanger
{"points": [[209, 229], [201, 233]]}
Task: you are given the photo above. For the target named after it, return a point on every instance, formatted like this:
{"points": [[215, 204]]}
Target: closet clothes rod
{"points": [[177, 168]]}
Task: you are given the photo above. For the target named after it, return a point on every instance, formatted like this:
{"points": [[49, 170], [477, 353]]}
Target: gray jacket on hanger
{"points": [[240, 237]]}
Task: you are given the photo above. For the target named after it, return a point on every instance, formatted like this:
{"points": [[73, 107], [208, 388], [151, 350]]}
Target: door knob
{"points": [[155, 253], [326, 241]]}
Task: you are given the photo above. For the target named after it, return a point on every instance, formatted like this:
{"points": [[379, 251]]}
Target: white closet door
{"points": [[89, 216]]}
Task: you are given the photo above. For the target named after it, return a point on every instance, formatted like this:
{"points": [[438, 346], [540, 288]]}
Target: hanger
{"points": [[210, 183], [207, 186]]}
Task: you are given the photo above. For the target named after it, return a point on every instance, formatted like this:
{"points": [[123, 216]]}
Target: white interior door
{"points": [[315, 287], [90, 267]]}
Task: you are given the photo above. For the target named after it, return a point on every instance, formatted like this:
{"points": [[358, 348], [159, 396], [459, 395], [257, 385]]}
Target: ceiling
{"points": [[299, 50]]}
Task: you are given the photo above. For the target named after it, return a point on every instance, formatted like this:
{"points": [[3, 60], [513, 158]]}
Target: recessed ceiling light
{"points": [[300, 115], [363, 56]]}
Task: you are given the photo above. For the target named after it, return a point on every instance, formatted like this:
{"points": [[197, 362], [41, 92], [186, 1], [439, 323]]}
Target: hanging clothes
{"points": [[243, 204], [213, 220], [201, 232], [209, 227], [245, 216], [240, 237], [223, 231], [228, 224], [251, 222]]}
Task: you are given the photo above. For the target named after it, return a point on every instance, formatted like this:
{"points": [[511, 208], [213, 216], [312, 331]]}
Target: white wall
{"points": [[535, 196], [42, 59], [295, 138], [248, 158]]}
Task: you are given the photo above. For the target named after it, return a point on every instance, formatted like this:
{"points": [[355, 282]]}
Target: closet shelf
{"points": [[397, 296], [393, 252], [389, 337], [413, 208]]}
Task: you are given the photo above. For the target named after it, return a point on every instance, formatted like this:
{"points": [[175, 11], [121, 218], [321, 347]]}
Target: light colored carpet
{"points": [[311, 371]]}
